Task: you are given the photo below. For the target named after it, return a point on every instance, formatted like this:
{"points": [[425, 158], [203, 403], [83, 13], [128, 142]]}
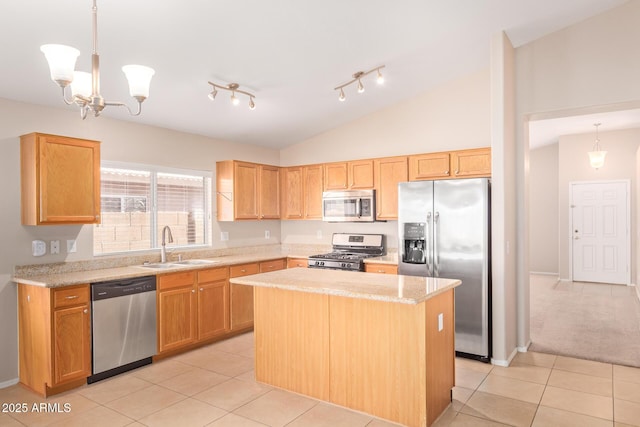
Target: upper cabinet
{"points": [[354, 175], [472, 163], [302, 192], [388, 172], [60, 180], [247, 191]]}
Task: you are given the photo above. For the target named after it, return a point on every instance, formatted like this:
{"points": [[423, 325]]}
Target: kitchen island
{"points": [[380, 344]]}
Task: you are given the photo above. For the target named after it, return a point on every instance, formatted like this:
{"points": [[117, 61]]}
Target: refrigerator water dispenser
{"points": [[414, 243]]}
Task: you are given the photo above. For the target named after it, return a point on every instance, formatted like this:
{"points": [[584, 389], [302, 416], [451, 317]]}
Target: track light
{"points": [[357, 77], [234, 89]]}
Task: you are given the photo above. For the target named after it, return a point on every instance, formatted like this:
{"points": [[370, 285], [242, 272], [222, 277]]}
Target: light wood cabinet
{"points": [[473, 163], [242, 297], [380, 268], [388, 173], [273, 265], [355, 175], [302, 192], [247, 191], [192, 307], [54, 337], [213, 302], [176, 310], [60, 180], [293, 262]]}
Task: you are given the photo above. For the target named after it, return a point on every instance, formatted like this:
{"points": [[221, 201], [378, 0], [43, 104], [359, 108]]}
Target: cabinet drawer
{"points": [[276, 264], [213, 274], [176, 280], [381, 268], [244, 269], [70, 296], [297, 262]]}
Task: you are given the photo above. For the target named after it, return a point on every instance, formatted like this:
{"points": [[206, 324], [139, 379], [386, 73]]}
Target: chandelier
{"points": [[233, 88], [596, 157], [357, 77], [85, 87]]}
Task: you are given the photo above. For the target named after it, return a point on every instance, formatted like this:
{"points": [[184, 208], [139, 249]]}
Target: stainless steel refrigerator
{"points": [[444, 231]]}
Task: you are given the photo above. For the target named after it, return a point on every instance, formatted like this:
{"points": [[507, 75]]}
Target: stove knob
{"points": [[343, 265]]}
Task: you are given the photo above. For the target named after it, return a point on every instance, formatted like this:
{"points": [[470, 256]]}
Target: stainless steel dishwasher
{"points": [[123, 325]]}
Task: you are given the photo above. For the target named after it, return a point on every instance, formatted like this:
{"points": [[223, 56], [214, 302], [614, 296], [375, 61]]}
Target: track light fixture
{"points": [[357, 77], [233, 88]]}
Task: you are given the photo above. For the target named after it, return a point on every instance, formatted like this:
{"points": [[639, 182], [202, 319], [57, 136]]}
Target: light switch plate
{"points": [[38, 247], [71, 246], [267, 234], [224, 236]]}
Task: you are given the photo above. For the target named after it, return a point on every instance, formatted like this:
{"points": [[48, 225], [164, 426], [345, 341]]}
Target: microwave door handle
{"points": [[428, 245], [359, 208]]}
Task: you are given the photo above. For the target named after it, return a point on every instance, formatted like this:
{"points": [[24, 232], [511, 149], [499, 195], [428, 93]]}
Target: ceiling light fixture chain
{"points": [[597, 156], [233, 88], [85, 87], [357, 77]]}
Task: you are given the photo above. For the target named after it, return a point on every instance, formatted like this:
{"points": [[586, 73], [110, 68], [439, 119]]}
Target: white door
{"points": [[600, 231]]}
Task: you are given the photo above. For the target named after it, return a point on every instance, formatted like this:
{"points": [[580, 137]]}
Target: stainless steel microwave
{"points": [[349, 206]]}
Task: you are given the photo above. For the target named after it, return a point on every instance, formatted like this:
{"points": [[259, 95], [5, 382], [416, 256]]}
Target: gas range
{"points": [[349, 251]]}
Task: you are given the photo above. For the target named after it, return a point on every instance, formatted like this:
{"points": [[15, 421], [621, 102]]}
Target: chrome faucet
{"points": [[163, 249]]}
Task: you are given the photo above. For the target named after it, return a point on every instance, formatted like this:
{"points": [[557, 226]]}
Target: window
{"points": [[138, 201]]}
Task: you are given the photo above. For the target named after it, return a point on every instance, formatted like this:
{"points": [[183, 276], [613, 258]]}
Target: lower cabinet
{"points": [[297, 262], [54, 337], [380, 268], [192, 307]]}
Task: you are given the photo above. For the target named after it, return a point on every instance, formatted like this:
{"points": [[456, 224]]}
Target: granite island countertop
{"points": [[380, 287]]}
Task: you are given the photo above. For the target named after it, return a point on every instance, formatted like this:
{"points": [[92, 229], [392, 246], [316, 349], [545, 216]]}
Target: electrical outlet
{"points": [[267, 234], [224, 236], [71, 246], [440, 322], [55, 247]]}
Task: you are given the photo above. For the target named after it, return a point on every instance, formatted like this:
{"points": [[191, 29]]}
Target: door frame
{"points": [[627, 183]]}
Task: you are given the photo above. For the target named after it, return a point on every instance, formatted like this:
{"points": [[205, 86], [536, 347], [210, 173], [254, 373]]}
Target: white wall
{"points": [[121, 141], [592, 63], [543, 209], [621, 147]]}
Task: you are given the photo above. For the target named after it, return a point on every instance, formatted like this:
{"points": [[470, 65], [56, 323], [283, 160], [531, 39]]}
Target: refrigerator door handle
{"points": [[436, 255], [428, 247]]}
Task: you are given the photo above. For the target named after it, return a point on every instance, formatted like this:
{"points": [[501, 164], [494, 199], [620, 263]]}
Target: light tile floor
{"points": [[214, 386]]}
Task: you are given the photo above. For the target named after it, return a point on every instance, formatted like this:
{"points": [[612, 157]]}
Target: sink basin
{"points": [[196, 262], [158, 265]]}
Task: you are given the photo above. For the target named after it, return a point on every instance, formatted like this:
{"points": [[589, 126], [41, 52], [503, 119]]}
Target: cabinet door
{"points": [[292, 189], [176, 318], [60, 180], [269, 192], [429, 166], [242, 297], [388, 173], [72, 343], [313, 187], [471, 163], [335, 176], [297, 262], [360, 174], [276, 264], [213, 314], [245, 190]]}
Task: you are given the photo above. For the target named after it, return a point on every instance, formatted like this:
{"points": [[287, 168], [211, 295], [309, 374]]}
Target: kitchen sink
{"points": [[196, 262], [159, 265]]}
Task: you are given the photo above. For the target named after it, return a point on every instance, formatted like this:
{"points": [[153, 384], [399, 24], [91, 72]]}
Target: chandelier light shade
{"points": [[85, 87], [357, 77], [234, 88], [597, 156]]}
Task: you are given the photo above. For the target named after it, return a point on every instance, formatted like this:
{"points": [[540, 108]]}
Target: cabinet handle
{"points": [[193, 291], [457, 171], [446, 172], [380, 271], [243, 271], [201, 289], [71, 297], [86, 311]]}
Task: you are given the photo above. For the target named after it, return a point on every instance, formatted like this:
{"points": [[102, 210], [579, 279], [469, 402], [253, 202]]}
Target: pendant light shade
{"points": [[597, 156], [139, 78], [62, 62]]}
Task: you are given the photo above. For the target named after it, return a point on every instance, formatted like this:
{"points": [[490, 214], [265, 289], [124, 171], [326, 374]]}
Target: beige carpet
{"points": [[585, 320]]}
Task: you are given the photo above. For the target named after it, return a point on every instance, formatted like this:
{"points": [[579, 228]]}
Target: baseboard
{"points": [[543, 273], [505, 363], [565, 280], [638, 292], [525, 348], [9, 383]]}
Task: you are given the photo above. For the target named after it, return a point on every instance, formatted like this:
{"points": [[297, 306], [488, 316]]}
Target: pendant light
{"points": [[596, 157]]}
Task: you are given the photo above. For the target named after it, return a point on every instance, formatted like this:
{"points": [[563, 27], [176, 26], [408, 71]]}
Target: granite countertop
{"points": [[54, 279], [381, 287], [390, 259]]}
